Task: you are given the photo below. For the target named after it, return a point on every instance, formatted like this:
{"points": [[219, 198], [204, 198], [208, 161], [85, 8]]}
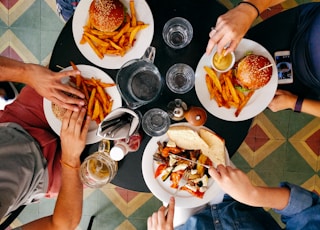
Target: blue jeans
{"points": [[65, 8]]}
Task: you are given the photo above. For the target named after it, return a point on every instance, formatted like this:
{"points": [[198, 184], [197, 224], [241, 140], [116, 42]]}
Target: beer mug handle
{"points": [[149, 54]]}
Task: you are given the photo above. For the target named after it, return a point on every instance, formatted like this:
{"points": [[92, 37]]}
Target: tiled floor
{"points": [[280, 146]]}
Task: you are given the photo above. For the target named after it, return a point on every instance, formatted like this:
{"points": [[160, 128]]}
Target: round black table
{"points": [[202, 14]]}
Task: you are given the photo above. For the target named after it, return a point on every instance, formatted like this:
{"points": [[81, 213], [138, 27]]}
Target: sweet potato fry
{"points": [[244, 102], [91, 102], [133, 14], [78, 76], [213, 76], [96, 109], [232, 90]]}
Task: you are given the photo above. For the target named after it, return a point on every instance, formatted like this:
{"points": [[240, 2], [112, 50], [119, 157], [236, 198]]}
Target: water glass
{"points": [[180, 78], [177, 32], [155, 122]]}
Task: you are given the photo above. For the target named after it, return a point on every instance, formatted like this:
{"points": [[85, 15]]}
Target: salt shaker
{"points": [[123, 146]]}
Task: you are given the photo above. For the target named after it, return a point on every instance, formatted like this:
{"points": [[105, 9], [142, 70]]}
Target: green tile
{"points": [[48, 40], [49, 19], [29, 213], [2, 30], [280, 120], [147, 209], [140, 224], [30, 18], [240, 162], [297, 178], [30, 38], [296, 163], [90, 206], [276, 160], [297, 122]]}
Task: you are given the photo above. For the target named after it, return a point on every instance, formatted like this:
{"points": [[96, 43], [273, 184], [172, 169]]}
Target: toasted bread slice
{"points": [[216, 150], [186, 138]]}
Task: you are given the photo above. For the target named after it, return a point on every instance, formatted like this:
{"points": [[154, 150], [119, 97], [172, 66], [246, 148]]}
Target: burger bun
{"points": [[252, 73], [106, 15]]}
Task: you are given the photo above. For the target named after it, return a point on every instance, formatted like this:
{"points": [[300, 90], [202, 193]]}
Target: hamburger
{"points": [[106, 15], [252, 73]]}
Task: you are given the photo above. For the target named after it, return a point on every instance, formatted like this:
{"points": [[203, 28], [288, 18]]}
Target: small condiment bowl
{"points": [[220, 62]]}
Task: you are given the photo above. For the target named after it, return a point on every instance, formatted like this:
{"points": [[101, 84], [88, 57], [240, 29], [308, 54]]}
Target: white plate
{"points": [[143, 37], [162, 189], [88, 72], [259, 100]]}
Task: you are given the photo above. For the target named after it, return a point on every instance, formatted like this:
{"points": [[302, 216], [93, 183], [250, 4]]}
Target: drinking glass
{"points": [[98, 169], [180, 78], [177, 32], [155, 122]]}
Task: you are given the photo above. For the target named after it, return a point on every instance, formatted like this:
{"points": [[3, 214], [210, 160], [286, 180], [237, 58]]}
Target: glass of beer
{"points": [[98, 169]]}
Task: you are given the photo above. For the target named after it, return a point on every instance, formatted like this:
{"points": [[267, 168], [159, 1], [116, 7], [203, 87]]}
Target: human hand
{"points": [[230, 29], [282, 100], [234, 182], [48, 84], [158, 220], [73, 135]]}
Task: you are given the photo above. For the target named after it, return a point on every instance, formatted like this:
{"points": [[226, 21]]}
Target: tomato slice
{"points": [[159, 170], [196, 193]]}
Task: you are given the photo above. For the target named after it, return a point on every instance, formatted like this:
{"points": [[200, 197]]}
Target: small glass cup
{"points": [[155, 122], [180, 78], [177, 32], [98, 169]]}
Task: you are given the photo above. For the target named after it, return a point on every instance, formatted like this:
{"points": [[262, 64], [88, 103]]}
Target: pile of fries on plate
{"points": [[222, 89], [99, 102], [117, 42]]}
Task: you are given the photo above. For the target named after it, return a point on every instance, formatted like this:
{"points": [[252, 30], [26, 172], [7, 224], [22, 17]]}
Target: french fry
{"points": [[232, 90], [243, 103], [133, 14], [91, 102], [96, 110], [78, 77], [213, 76], [87, 39]]}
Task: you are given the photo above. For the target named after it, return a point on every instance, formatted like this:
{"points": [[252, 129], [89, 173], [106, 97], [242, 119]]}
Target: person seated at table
{"points": [[300, 36], [66, 8], [24, 122], [68, 209], [241, 208]]}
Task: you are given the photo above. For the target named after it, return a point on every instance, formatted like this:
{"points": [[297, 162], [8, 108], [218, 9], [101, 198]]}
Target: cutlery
{"points": [[183, 158]]}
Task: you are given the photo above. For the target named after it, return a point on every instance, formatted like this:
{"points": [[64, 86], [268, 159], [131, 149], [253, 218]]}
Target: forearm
{"points": [[311, 107], [261, 6], [15, 71], [276, 198], [68, 208]]}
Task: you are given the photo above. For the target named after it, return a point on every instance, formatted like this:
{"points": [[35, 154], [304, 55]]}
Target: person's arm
{"points": [[237, 184], [159, 221], [233, 25], [46, 82], [68, 209], [286, 100]]}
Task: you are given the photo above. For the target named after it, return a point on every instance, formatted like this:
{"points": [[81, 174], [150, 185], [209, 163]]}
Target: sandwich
{"points": [[106, 15], [253, 72], [210, 144]]}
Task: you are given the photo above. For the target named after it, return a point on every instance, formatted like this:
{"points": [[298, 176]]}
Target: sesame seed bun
{"points": [[106, 15], [248, 71]]}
